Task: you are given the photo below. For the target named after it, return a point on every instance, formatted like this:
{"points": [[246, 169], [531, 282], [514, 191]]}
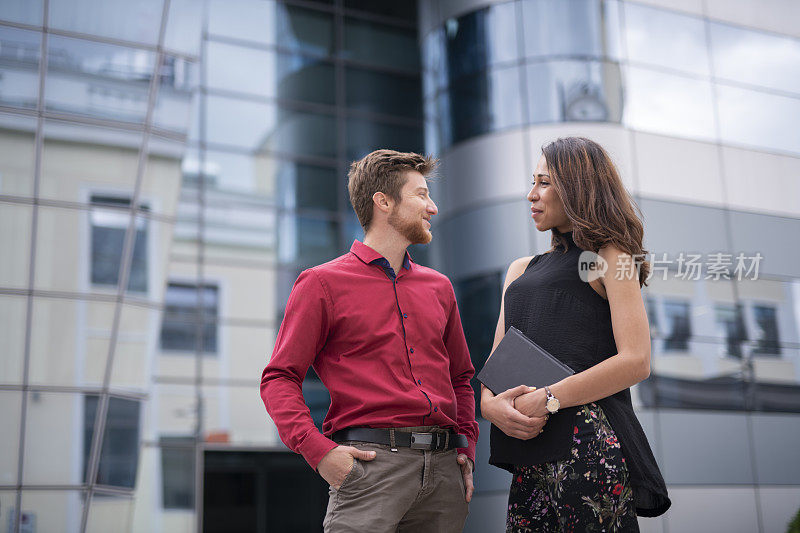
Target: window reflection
{"points": [[379, 92], [767, 340], [304, 30], [108, 238], [308, 241], [20, 53], [755, 58], [97, 79], [574, 27], [488, 101], [667, 104], [677, 326], [562, 91], [759, 119], [307, 186], [24, 11], [665, 38], [119, 457], [369, 42], [730, 326], [480, 39], [186, 305], [247, 20], [130, 21], [364, 136]]}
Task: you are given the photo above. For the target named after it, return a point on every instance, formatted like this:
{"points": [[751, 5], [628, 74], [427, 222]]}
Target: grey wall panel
{"points": [[776, 238], [673, 227], [488, 478], [705, 448], [483, 239], [776, 442], [712, 510], [487, 513]]}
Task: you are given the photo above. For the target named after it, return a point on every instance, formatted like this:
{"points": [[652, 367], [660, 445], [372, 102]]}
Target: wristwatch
{"points": [[552, 404]]}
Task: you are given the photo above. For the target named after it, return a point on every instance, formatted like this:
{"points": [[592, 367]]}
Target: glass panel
{"points": [[177, 407], [24, 11], [120, 454], [565, 91], [304, 78], [248, 20], [9, 437], [53, 457], [303, 30], [46, 510], [307, 241], [161, 183], [128, 21], [20, 53], [369, 42], [767, 339], [773, 127], [576, 27], [239, 230], [238, 123], [383, 93], [246, 418], [69, 341], [96, 79], [677, 326], [478, 303], [240, 68], [110, 513], [434, 61], [398, 11], [364, 136], [755, 58], [15, 239], [13, 315], [178, 81], [488, 101], [672, 105], [78, 159], [184, 27], [307, 186], [301, 133], [189, 321], [62, 250], [136, 342], [666, 38], [16, 154], [177, 472], [254, 176], [481, 39], [245, 348]]}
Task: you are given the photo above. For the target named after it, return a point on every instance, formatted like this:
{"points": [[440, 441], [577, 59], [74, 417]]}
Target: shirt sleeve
{"points": [[301, 337], [461, 372]]}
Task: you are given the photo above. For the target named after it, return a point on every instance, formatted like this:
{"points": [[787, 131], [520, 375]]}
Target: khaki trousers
{"points": [[404, 491]]}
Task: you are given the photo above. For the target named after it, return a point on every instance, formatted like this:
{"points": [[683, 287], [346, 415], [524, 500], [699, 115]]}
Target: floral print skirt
{"points": [[590, 491]]}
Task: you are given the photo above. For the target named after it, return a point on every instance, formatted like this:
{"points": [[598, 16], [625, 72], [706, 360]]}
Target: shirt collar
{"points": [[368, 255]]}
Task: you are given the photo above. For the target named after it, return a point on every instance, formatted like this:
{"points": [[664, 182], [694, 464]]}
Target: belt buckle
{"points": [[422, 441]]}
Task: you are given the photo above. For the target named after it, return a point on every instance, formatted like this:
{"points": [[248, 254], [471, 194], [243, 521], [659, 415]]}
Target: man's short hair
{"points": [[382, 171]]}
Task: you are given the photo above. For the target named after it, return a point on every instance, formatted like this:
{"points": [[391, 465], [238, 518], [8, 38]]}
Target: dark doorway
{"points": [[248, 492]]}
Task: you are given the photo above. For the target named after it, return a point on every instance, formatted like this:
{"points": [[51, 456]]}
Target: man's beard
{"points": [[414, 232]]}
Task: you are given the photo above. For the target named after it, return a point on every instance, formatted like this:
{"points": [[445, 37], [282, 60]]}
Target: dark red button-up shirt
{"points": [[390, 351]]}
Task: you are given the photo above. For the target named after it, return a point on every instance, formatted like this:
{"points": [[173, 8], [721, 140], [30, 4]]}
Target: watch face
{"points": [[553, 404]]}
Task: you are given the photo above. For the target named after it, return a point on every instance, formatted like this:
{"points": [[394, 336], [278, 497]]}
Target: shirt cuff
{"points": [[315, 447]]}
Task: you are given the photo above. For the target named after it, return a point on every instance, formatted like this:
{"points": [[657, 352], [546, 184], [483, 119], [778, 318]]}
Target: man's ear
{"points": [[381, 201]]}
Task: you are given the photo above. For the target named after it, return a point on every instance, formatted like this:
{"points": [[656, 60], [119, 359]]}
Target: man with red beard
{"points": [[384, 335]]}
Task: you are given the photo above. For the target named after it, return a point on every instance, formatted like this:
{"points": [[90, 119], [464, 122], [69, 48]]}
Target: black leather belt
{"points": [[416, 441]]}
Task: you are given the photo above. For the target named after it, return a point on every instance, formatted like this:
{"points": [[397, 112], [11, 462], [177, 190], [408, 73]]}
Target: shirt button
{"points": [[411, 350], [435, 409], [405, 315], [419, 382]]}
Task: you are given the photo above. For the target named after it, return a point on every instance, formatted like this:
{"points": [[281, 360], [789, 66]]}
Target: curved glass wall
{"points": [[653, 70]]}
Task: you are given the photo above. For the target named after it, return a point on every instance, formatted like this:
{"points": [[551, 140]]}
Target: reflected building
{"points": [[168, 167], [704, 137]]}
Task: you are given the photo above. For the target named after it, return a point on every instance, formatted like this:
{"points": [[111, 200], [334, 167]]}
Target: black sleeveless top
{"points": [[564, 315]]}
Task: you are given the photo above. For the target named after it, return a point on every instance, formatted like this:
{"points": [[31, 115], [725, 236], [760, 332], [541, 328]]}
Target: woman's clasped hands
{"points": [[519, 412]]}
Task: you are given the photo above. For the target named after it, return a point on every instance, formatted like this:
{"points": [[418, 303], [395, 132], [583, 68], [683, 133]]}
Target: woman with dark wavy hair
{"points": [[579, 458]]}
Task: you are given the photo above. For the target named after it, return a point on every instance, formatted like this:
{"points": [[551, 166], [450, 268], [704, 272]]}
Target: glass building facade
{"points": [[697, 105], [168, 167]]}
